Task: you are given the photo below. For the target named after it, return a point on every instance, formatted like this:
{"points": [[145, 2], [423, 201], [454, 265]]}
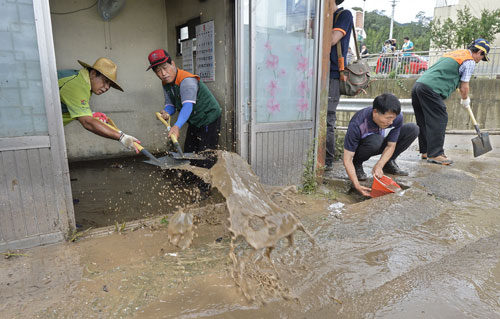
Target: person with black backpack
{"points": [[341, 33]]}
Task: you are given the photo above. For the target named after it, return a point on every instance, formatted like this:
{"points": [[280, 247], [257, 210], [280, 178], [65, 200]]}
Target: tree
{"points": [[489, 24], [443, 36], [458, 34], [377, 26], [422, 19]]}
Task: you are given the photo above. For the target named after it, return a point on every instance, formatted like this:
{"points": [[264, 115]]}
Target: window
{"points": [[22, 99], [186, 31]]}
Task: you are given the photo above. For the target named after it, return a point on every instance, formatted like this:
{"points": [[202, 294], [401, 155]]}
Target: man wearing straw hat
{"points": [[450, 72], [75, 90]]}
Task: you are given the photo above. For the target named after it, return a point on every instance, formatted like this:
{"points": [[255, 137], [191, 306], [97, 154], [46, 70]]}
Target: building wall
{"points": [[127, 39], [222, 12], [476, 6]]}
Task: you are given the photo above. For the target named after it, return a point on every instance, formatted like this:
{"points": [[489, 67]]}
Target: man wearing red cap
{"points": [[186, 93], [76, 88]]}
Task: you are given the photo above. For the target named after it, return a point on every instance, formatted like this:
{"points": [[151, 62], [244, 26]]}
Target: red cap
{"points": [[158, 57]]}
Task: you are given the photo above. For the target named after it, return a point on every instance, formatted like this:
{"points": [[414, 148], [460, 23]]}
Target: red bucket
{"points": [[383, 186]]}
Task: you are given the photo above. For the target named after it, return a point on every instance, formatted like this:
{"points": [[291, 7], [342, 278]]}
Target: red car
{"points": [[413, 64]]}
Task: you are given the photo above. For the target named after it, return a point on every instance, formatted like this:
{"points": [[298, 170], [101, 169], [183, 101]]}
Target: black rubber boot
{"points": [[360, 173], [392, 168]]}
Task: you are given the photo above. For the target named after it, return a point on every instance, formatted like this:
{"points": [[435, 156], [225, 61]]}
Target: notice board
{"points": [[187, 56], [205, 53]]}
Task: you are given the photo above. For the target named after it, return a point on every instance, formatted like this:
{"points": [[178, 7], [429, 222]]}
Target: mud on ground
{"points": [[118, 275], [430, 251]]}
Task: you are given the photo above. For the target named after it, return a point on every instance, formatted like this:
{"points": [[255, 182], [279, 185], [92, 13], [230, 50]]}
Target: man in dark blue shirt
{"points": [[341, 33], [375, 130]]}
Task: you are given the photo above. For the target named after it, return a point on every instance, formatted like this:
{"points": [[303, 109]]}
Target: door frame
{"points": [[52, 143], [54, 117], [246, 125]]}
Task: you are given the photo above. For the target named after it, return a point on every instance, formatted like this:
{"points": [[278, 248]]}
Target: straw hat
{"points": [[107, 68]]}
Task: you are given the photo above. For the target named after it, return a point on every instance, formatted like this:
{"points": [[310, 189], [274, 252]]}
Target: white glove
{"points": [[465, 103], [128, 141]]}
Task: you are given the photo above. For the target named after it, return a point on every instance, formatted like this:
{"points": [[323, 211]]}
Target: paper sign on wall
{"points": [[187, 56], [205, 53]]}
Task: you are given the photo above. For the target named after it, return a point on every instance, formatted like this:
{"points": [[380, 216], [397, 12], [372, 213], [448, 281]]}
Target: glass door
{"points": [[277, 60], [284, 59]]}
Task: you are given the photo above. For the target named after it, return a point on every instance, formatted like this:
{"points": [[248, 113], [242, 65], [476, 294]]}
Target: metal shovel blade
{"points": [[188, 156], [167, 162], [481, 144]]}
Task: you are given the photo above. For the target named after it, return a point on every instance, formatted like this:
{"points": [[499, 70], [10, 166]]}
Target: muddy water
{"points": [[253, 216], [181, 229], [106, 192], [252, 213], [430, 251]]}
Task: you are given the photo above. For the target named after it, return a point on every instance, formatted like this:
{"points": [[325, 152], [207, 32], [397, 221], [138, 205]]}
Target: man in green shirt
{"points": [[75, 90], [454, 70]]}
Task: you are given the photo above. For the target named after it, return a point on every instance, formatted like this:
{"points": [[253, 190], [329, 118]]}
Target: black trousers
{"points": [[375, 144], [199, 139], [432, 118], [331, 118]]}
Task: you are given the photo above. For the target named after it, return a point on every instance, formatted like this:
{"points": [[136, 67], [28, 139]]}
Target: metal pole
{"points": [[252, 4], [364, 9], [392, 18]]}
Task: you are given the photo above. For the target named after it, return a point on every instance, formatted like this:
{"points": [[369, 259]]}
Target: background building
{"points": [[448, 9]]}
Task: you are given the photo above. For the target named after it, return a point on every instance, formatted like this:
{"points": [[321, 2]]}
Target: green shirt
{"points": [[74, 92]]}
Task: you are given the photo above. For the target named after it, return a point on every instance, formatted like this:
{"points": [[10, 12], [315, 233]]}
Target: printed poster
{"points": [[205, 55], [187, 56]]}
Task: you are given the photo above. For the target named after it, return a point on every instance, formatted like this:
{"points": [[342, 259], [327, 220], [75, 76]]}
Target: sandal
{"points": [[441, 160], [423, 156]]}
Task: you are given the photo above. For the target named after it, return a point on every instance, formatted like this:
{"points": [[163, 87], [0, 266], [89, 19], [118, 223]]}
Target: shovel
{"points": [[172, 137], [480, 144], [180, 155], [163, 163]]}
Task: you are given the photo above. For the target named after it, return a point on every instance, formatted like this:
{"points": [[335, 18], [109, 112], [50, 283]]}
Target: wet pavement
{"points": [[430, 251]]}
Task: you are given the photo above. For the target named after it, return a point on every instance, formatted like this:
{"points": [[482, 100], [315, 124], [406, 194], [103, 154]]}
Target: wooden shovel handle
{"points": [[476, 126], [471, 115], [158, 115], [167, 124]]}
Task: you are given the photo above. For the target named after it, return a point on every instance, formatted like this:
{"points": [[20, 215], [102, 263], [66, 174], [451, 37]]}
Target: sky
{"points": [[405, 10]]}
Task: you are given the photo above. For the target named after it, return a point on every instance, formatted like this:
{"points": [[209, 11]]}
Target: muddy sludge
{"points": [[254, 217], [415, 254], [398, 254], [123, 190]]}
